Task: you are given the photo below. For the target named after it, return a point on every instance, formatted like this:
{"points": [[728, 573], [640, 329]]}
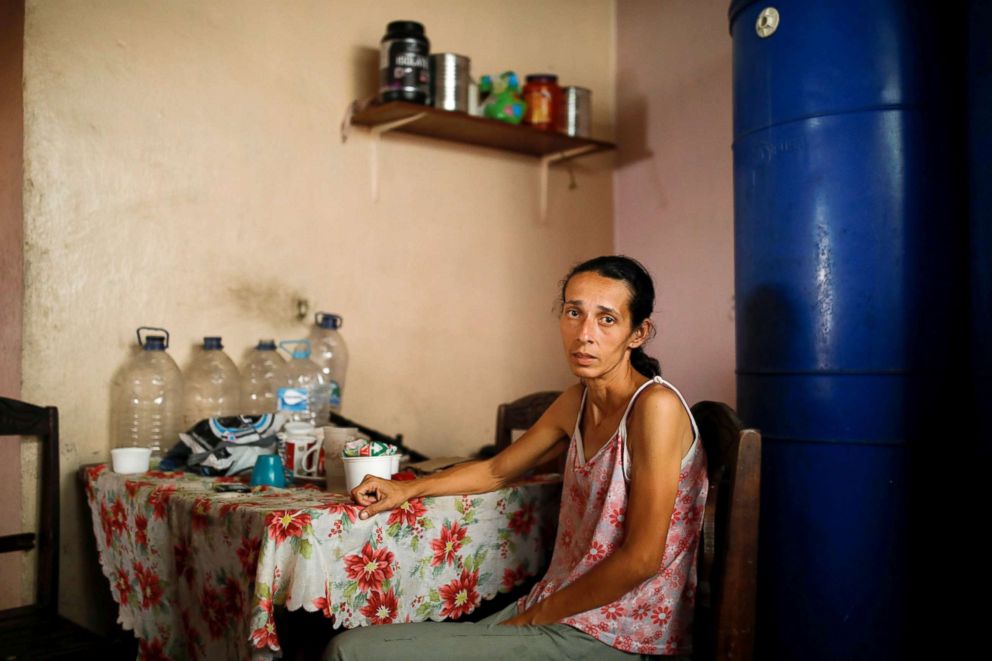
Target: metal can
{"points": [[543, 98], [404, 66], [450, 73], [575, 113]]}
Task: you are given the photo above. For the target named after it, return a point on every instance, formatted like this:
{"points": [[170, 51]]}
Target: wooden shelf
{"points": [[479, 131]]}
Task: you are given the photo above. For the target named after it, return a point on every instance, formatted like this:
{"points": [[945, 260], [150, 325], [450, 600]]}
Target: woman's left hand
{"points": [[527, 618]]}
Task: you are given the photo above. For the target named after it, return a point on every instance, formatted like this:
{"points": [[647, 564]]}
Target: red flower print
{"points": [[566, 538], [596, 552], [118, 517], [122, 587], [673, 645], [407, 513], [446, 546], [641, 610], [523, 519], [612, 611], [661, 615], [323, 605], [513, 577], [459, 596], [106, 523], [132, 487], [248, 555], [233, 597], [346, 509], [94, 472], [152, 650], [161, 474], [381, 608], [283, 525], [265, 637], [617, 516], [180, 553], [201, 513], [230, 506], [141, 529], [160, 499], [148, 586], [370, 567], [212, 610]]}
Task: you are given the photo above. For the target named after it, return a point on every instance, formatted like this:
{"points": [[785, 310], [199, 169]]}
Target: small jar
{"points": [[543, 97], [404, 63]]}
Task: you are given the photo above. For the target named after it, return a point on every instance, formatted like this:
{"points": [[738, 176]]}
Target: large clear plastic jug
{"points": [[303, 392], [330, 353], [260, 376], [148, 396], [212, 384]]}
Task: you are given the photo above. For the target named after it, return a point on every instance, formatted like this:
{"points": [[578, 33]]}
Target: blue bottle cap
{"points": [[266, 345], [154, 343], [211, 343], [328, 320]]}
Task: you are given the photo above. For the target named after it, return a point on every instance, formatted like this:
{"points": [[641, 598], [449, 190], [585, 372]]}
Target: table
{"points": [[197, 574]]}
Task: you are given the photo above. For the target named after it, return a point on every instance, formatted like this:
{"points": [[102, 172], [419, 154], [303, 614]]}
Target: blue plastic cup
{"points": [[268, 471]]}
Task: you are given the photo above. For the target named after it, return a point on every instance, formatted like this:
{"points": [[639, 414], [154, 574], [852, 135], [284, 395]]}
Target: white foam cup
{"points": [[356, 468], [128, 461]]}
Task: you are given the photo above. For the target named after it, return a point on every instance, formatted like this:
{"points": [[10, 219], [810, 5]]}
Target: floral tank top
{"points": [[656, 616]]}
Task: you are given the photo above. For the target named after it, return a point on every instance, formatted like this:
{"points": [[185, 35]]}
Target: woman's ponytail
{"points": [[645, 364]]}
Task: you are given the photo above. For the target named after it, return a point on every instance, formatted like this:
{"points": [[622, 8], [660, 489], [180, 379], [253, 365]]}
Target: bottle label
{"points": [[294, 399], [404, 66], [539, 109], [335, 395]]}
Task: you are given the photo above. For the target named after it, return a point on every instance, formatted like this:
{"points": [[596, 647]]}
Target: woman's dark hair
{"points": [[632, 273]]}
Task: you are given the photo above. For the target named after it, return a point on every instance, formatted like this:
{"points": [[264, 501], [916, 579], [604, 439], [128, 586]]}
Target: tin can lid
{"points": [[542, 78]]}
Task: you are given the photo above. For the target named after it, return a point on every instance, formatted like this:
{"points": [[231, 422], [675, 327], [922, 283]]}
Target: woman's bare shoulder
{"points": [[657, 407]]}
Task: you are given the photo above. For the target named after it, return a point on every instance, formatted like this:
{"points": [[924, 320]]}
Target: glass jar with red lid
{"points": [[543, 97]]}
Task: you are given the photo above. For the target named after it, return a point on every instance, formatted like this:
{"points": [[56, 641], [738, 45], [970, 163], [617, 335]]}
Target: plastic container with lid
{"points": [[543, 97], [260, 379], [148, 397], [303, 393], [213, 385], [330, 353], [404, 63]]}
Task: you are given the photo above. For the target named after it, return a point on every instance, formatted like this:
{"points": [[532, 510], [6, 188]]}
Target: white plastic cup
{"points": [[128, 461], [356, 468], [395, 463]]}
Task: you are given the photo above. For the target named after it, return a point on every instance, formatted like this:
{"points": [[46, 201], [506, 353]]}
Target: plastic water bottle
{"points": [[260, 375], [212, 384], [330, 353], [148, 397], [303, 392]]}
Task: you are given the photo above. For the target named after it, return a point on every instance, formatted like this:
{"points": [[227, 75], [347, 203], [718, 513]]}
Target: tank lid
{"points": [[154, 343], [212, 343], [266, 345], [328, 320]]}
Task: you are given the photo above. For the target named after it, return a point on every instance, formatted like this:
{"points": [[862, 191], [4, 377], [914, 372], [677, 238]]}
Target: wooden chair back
{"points": [[520, 415], [22, 419], [728, 555]]}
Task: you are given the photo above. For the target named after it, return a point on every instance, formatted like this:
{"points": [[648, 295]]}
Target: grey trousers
{"points": [[440, 641]]}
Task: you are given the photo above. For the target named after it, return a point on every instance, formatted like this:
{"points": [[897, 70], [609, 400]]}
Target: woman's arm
{"points": [[545, 440], [658, 427]]}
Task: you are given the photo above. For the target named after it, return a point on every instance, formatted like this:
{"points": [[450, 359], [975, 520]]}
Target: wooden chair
{"points": [[520, 415], [728, 558], [37, 631]]}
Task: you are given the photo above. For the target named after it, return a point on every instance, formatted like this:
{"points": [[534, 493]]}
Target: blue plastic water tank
{"points": [[845, 277]]}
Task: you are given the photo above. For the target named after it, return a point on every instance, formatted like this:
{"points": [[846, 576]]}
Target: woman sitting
{"points": [[622, 577]]}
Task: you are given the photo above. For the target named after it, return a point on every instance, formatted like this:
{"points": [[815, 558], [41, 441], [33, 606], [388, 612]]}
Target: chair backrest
{"points": [[521, 414], [728, 558], [22, 419]]}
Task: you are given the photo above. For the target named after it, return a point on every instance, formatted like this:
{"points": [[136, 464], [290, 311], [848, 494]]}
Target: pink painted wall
{"points": [[673, 186]]}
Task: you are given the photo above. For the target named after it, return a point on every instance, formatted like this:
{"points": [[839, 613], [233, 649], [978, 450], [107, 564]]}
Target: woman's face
{"points": [[595, 325]]}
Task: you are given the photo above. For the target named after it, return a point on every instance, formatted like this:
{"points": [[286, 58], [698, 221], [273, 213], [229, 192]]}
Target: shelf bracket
{"points": [[377, 132], [546, 162]]}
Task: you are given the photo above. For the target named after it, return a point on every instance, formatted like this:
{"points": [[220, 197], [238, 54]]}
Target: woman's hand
{"points": [[378, 495]]}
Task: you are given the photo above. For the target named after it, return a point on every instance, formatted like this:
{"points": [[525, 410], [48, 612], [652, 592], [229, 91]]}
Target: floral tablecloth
{"points": [[197, 573]]}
